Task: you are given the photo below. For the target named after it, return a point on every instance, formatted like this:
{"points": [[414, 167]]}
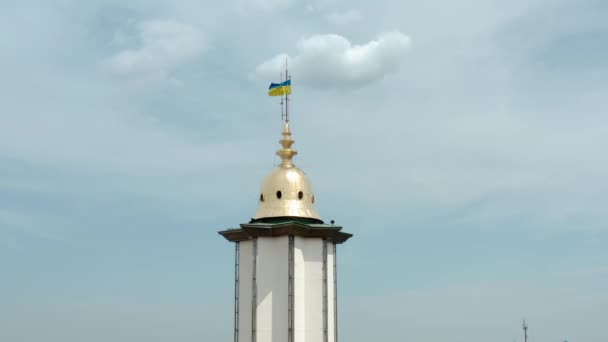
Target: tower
{"points": [[285, 262]]}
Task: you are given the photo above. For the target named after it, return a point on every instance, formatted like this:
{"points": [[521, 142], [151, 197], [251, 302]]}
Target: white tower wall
{"points": [[272, 295], [263, 276], [244, 290], [331, 294], [308, 292]]}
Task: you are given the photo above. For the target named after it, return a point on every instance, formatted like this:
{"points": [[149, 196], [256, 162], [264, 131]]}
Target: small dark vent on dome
{"points": [[261, 197], [300, 195], [279, 194]]}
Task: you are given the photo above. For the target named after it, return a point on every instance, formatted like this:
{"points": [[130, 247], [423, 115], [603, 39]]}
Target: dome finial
{"points": [[286, 153], [286, 191]]}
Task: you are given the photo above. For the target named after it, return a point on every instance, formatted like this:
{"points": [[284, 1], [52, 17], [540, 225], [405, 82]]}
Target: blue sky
{"points": [[463, 143]]}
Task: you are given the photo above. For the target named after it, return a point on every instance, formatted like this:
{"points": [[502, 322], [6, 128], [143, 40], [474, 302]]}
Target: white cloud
{"points": [[164, 45], [344, 18], [332, 61]]}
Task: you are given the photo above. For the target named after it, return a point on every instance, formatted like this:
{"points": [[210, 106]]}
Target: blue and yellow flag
{"points": [[280, 89]]}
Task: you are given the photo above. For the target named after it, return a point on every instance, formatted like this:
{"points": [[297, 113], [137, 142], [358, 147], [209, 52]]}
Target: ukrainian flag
{"points": [[280, 89]]}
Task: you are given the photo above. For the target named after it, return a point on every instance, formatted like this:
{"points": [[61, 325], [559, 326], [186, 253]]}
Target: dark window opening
{"points": [[279, 194]]}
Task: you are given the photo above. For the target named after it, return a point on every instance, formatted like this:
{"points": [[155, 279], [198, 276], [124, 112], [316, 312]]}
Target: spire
{"points": [[286, 191], [286, 153]]}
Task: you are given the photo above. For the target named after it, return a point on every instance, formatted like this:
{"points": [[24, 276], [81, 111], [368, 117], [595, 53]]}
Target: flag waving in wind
{"points": [[280, 89]]}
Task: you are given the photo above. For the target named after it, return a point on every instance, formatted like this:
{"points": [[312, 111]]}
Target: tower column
{"points": [[286, 280], [285, 262]]}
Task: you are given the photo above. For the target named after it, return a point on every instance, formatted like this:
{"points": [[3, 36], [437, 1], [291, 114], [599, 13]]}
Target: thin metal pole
{"points": [[254, 297], [286, 95], [335, 296], [290, 286], [325, 299], [282, 111], [236, 291]]}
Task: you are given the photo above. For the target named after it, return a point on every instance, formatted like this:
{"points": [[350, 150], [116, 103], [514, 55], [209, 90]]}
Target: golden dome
{"points": [[286, 191]]}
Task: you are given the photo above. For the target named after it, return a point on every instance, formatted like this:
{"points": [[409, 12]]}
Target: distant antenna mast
{"points": [[525, 327]]}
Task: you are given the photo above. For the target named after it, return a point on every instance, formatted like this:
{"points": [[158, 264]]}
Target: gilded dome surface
{"points": [[286, 191]]}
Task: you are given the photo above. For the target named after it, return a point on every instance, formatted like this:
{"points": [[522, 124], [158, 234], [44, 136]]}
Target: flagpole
{"points": [[286, 95], [282, 112]]}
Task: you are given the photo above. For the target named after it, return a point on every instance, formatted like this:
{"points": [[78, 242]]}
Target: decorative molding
{"points": [[251, 230]]}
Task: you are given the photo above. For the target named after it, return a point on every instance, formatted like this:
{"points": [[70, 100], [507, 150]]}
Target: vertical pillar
{"points": [[290, 289], [236, 290], [254, 292], [335, 295], [325, 298]]}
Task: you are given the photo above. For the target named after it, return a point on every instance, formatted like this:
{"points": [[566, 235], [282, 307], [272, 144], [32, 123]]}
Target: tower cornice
{"points": [[248, 231]]}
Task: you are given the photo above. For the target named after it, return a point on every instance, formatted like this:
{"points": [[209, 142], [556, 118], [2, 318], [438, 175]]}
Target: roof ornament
{"points": [[286, 191], [283, 90], [286, 153]]}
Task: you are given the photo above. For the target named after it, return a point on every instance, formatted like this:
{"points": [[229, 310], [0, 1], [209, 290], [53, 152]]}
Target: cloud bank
{"points": [[332, 61]]}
